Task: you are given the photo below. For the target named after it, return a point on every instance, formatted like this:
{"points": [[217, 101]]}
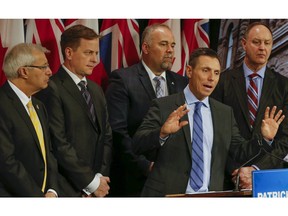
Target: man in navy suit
{"points": [[81, 134], [27, 165], [128, 95], [272, 90], [165, 135]]}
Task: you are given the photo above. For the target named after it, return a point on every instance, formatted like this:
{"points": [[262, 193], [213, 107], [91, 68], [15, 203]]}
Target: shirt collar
{"points": [[191, 99], [248, 71], [75, 78]]}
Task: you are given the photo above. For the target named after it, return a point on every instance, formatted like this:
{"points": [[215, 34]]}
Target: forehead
{"points": [[89, 44], [162, 33], [208, 62], [259, 31]]}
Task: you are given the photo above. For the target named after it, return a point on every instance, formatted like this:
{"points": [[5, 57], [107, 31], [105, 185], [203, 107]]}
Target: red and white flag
{"points": [[47, 32], [11, 33], [195, 34]]}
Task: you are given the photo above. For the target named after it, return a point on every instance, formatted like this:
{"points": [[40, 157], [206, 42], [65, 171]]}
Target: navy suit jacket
{"points": [[21, 161], [82, 147], [173, 160], [129, 95]]}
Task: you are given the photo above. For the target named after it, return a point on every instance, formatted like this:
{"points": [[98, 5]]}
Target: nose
{"points": [[49, 72], [94, 58]]}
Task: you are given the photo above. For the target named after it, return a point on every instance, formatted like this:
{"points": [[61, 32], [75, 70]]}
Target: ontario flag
{"points": [[11, 33], [175, 26], [47, 32], [195, 34], [119, 44]]}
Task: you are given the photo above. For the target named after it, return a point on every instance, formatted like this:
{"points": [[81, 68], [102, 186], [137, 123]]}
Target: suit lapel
{"points": [[73, 90], [239, 84], [170, 83], [267, 90], [186, 129], [146, 82], [22, 112]]}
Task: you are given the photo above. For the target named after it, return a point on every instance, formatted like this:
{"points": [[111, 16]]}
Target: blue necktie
{"points": [[196, 174], [85, 93]]}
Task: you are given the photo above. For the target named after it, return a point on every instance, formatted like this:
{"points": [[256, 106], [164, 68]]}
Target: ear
{"points": [[68, 53], [189, 71], [145, 48], [23, 72]]}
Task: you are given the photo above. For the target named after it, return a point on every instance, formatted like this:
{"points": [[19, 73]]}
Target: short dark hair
{"points": [[203, 51], [71, 37], [251, 25]]}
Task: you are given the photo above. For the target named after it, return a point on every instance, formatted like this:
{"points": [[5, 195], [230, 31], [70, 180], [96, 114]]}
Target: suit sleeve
{"points": [[146, 139], [12, 172], [117, 96], [75, 169]]}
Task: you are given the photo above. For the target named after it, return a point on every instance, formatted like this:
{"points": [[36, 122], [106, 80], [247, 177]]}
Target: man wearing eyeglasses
{"points": [[27, 165], [81, 134]]}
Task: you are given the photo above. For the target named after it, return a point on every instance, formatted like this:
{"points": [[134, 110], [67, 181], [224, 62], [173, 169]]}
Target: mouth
{"points": [[208, 86]]}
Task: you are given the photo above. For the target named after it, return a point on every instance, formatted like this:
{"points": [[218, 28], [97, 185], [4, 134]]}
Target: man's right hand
{"points": [[103, 188]]}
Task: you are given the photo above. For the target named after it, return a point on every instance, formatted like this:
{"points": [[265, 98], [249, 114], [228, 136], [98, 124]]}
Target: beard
{"points": [[166, 65]]}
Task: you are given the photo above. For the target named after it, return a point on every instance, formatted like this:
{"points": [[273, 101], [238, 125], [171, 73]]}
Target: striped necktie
{"points": [[196, 174], [37, 125], [85, 93], [159, 86], [252, 94]]}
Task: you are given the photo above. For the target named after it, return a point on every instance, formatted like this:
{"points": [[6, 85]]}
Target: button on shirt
{"points": [[207, 135]]}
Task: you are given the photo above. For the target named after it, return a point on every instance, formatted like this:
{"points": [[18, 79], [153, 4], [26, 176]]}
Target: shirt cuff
{"points": [[163, 140], [93, 186], [53, 191]]}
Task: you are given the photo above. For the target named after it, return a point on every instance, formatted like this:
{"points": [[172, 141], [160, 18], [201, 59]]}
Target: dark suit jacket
{"points": [[21, 161], [231, 91], [173, 162], [129, 95], [82, 147]]}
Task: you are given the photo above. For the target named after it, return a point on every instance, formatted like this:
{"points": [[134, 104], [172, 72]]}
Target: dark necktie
{"points": [[252, 98], [196, 174], [85, 93], [159, 87]]}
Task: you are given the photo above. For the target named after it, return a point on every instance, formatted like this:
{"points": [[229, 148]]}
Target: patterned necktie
{"points": [[252, 98], [85, 93], [37, 125], [196, 174], [159, 87]]}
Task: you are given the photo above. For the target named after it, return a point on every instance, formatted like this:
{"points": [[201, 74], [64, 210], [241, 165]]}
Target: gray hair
{"points": [[20, 56], [146, 35]]}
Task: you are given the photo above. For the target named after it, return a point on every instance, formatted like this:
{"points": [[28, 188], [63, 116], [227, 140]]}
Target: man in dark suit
{"points": [[27, 165], [128, 95], [272, 90], [165, 135], [81, 134]]}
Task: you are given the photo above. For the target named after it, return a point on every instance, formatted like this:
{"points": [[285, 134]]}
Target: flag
{"points": [[47, 32], [175, 26], [11, 33], [119, 45], [195, 34]]}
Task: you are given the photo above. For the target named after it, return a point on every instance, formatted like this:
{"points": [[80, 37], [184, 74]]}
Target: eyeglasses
{"points": [[44, 67]]}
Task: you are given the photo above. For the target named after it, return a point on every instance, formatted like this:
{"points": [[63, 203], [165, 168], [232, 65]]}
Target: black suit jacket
{"points": [[173, 160], [231, 90], [129, 95], [82, 147], [21, 161]]}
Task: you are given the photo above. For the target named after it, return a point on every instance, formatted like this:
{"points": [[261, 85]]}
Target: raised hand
{"points": [[173, 123], [271, 122]]}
